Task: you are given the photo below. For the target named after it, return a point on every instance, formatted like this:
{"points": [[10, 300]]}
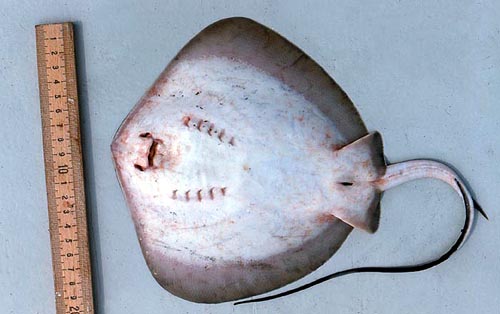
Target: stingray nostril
{"points": [[139, 167], [346, 183], [147, 134]]}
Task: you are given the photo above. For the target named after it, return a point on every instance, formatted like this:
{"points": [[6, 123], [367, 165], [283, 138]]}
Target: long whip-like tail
{"points": [[397, 174]]}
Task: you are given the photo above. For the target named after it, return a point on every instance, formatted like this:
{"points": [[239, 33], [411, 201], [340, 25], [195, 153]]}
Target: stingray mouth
{"points": [[147, 159], [153, 152]]}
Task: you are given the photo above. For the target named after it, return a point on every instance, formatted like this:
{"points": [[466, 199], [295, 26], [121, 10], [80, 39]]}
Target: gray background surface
{"points": [[425, 75]]}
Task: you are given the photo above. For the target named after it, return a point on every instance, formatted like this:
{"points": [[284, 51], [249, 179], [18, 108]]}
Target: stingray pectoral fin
{"points": [[357, 166]]}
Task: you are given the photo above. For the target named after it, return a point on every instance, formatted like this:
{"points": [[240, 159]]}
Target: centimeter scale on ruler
{"points": [[63, 168]]}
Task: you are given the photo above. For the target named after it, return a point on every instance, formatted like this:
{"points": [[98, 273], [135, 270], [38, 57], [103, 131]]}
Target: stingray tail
{"points": [[410, 170], [397, 174]]}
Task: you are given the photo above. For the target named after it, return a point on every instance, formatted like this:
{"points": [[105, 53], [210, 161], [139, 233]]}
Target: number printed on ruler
{"points": [[63, 171]]}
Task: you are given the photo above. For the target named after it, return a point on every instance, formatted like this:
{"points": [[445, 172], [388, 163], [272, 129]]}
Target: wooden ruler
{"points": [[63, 168]]}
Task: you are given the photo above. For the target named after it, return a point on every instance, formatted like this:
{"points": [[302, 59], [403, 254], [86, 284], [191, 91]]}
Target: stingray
{"points": [[245, 167]]}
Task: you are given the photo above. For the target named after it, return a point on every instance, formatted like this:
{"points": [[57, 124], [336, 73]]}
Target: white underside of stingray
{"points": [[239, 181]]}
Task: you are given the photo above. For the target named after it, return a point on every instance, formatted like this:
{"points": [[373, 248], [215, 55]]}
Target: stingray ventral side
{"points": [[245, 167]]}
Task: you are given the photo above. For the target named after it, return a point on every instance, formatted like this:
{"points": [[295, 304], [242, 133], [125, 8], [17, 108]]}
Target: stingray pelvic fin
{"points": [[358, 165]]}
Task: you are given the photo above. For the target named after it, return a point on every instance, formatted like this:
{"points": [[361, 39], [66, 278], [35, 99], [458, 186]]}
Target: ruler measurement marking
{"points": [[64, 176]]}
